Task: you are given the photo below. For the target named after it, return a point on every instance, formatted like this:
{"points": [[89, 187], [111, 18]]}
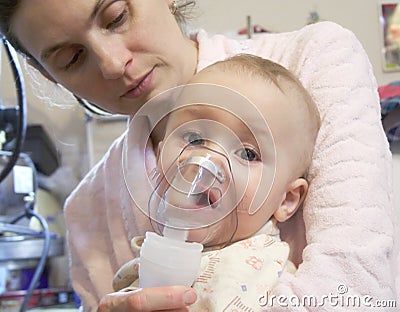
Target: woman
{"points": [[119, 53]]}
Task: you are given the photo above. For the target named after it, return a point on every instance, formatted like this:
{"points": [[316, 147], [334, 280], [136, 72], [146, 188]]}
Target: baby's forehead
{"points": [[247, 89], [211, 120], [202, 111]]}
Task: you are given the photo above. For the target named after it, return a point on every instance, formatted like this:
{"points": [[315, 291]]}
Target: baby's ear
{"points": [[292, 200]]}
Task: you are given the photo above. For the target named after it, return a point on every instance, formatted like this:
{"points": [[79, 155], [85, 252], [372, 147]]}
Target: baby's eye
{"points": [[248, 154], [193, 138]]}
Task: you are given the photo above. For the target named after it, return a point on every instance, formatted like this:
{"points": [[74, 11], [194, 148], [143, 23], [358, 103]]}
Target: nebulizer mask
{"points": [[190, 192]]}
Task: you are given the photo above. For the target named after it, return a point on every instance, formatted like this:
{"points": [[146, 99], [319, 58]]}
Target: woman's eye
{"points": [[118, 13], [193, 138], [74, 59], [68, 57], [118, 20], [248, 154]]}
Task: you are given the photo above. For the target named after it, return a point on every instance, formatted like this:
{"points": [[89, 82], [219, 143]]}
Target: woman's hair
{"points": [[7, 11], [185, 11]]}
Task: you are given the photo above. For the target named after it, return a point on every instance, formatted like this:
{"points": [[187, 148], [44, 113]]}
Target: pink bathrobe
{"points": [[348, 216]]}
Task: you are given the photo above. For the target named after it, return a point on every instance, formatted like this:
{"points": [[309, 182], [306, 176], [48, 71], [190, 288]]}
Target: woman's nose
{"points": [[112, 58]]}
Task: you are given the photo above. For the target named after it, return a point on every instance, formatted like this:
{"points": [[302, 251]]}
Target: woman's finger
{"points": [[171, 298]]}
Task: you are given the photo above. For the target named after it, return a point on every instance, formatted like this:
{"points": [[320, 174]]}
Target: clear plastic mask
{"points": [[197, 183], [195, 191]]}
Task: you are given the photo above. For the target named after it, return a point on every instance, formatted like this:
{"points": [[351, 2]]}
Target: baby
{"points": [[243, 254]]}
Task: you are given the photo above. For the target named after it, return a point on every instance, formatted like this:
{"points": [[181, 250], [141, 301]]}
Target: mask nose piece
{"points": [[206, 163], [205, 178], [196, 190], [200, 173]]}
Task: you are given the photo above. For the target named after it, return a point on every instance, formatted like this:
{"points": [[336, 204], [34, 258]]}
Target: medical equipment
{"points": [[191, 196], [196, 191], [20, 246]]}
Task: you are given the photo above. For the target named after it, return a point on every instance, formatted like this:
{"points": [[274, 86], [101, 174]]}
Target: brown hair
{"points": [[7, 11]]}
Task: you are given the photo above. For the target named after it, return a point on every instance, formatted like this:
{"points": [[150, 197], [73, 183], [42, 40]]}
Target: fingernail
{"points": [[189, 297]]}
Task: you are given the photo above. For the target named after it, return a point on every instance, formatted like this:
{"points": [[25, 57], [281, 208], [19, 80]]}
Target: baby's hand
{"points": [[127, 276]]}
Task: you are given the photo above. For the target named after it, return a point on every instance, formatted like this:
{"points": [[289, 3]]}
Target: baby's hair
{"points": [[252, 64], [283, 79], [270, 71]]}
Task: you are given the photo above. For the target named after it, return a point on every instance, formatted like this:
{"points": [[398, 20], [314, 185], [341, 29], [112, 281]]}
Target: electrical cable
{"points": [[12, 160], [21, 130], [29, 213]]}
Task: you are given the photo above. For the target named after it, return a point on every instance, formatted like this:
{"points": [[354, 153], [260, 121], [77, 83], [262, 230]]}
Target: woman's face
{"points": [[114, 53]]}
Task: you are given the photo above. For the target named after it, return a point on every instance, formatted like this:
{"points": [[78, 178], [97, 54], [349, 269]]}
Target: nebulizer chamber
{"points": [[193, 189], [166, 261]]}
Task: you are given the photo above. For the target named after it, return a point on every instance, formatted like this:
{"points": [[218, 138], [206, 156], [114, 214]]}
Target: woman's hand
{"points": [[171, 298]]}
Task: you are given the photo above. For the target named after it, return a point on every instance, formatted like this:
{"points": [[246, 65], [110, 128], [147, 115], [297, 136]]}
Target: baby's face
{"points": [[249, 161]]}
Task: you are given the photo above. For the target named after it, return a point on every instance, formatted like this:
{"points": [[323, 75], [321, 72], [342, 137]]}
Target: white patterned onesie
{"points": [[238, 277]]}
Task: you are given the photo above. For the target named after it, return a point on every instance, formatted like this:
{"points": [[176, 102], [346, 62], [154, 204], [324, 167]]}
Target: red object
{"points": [[40, 297], [256, 30], [389, 90]]}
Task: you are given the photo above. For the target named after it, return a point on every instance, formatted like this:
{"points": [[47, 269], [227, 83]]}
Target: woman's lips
{"points": [[142, 87]]}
